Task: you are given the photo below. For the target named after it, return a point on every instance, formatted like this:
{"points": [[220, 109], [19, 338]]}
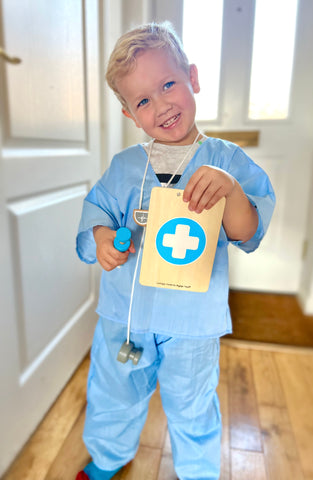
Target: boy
{"points": [[177, 331]]}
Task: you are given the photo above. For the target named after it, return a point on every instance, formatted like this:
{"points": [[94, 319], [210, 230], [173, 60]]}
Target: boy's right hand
{"points": [[108, 256]]}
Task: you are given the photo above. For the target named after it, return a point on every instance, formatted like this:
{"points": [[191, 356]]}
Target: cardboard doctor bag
{"points": [[180, 245]]}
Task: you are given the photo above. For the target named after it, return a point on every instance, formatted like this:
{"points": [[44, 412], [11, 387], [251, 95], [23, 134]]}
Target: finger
{"points": [[120, 258], [107, 255], [109, 263], [209, 197], [202, 202], [106, 265], [208, 201], [132, 247], [203, 188], [188, 191], [216, 198], [123, 258]]}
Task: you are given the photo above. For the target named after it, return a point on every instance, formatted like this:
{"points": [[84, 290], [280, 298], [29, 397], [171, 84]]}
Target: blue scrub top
{"points": [[111, 203]]}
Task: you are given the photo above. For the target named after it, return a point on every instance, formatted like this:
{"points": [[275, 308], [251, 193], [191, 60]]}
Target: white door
{"points": [[49, 157], [284, 151], [285, 148]]}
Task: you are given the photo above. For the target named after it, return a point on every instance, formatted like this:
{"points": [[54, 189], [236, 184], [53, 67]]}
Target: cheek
{"points": [[187, 98], [145, 118], [137, 119], [137, 122], [190, 105]]}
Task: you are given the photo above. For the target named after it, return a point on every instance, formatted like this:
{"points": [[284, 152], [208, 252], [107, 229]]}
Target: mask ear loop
{"points": [[181, 163], [145, 174]]}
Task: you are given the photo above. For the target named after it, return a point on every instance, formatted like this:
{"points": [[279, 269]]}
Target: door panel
{"points": [[46, 92], [36, 223], [50, 156], [285, 146]]}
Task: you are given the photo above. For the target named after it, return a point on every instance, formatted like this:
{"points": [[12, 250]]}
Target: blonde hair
{"points": [[145, 37]]}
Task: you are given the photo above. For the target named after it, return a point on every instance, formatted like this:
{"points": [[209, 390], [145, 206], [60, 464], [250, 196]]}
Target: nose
{"points": [[162, 107]]}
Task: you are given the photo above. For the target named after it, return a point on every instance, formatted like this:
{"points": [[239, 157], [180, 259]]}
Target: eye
{"points": [[143, 102], [168, 85]]}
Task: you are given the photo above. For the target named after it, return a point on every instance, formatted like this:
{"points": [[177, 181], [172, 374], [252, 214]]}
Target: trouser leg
{"points": [[188, 376], [117, 396]]}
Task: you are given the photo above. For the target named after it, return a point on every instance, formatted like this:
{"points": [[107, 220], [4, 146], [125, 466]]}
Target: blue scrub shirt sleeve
{"points": [[257, 186], [99, 208]]}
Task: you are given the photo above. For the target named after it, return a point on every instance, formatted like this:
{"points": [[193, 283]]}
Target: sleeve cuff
{"points": [[253, 243]]}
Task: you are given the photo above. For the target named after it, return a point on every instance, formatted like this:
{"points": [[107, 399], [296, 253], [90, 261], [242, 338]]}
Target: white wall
{"points": [[306, 285], [111, 117]]}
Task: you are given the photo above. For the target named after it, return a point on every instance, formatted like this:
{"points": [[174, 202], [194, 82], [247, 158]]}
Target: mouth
{"points": [[171, 121]]}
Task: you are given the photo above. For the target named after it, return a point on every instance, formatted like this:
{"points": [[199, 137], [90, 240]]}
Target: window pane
{"points": [[272, 60], [203, 19]]}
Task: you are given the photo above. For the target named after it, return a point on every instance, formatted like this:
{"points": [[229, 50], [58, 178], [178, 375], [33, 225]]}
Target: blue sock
{"points": [[94, 473]]}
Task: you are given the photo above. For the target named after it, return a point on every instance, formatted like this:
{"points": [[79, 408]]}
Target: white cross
{"points": [[180, 241]]}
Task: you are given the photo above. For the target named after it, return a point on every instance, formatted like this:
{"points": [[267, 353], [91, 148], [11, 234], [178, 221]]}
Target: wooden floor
{"points": [[266, 396]]}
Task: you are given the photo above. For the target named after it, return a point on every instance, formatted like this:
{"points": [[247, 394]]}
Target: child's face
{"points": [[160, 98]]}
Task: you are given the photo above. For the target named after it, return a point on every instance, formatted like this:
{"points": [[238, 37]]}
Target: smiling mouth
{"points": [[171, 121]]}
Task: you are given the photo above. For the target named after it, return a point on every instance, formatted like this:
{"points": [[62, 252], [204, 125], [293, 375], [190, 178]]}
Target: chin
{"points": [[175, 137]]}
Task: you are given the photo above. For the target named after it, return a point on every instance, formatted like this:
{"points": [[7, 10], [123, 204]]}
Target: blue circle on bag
{"points": [[180, 241]]}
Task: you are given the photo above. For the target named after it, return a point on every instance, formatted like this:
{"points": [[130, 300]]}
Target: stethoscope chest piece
{"points": [[129, 352]]}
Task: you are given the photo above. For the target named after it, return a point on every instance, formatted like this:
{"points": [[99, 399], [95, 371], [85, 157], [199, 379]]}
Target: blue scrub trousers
{"points": [[118, 396]]}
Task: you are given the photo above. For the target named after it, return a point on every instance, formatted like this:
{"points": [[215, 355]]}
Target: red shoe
{"points": [[82, 476]]}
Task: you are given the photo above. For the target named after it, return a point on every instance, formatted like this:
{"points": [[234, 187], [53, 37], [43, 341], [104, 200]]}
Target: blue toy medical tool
{"points": [[122, 239], [128, 351]]}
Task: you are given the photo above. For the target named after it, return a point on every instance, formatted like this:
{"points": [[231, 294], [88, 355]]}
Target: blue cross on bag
{"points": [[180, 241]]}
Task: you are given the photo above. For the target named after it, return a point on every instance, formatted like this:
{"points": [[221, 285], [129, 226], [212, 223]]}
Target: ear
{"points": [[193, 74], [129, 115]]}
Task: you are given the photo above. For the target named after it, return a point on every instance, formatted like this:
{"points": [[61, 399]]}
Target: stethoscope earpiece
{"points": [[129, 352]]}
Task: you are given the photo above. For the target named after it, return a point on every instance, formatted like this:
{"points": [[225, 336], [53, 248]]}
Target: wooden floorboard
{"points": [[247, 465], [266, 402], [72, 455], [223, 393], [245, 431], [296, 378], [280, 449], [39, 454]]}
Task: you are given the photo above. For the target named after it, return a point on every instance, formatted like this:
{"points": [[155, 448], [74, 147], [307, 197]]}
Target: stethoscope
{"points": [[128, 351]]}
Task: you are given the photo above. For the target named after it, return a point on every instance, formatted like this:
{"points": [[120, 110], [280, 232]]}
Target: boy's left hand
{"points": [[206, 187]]}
